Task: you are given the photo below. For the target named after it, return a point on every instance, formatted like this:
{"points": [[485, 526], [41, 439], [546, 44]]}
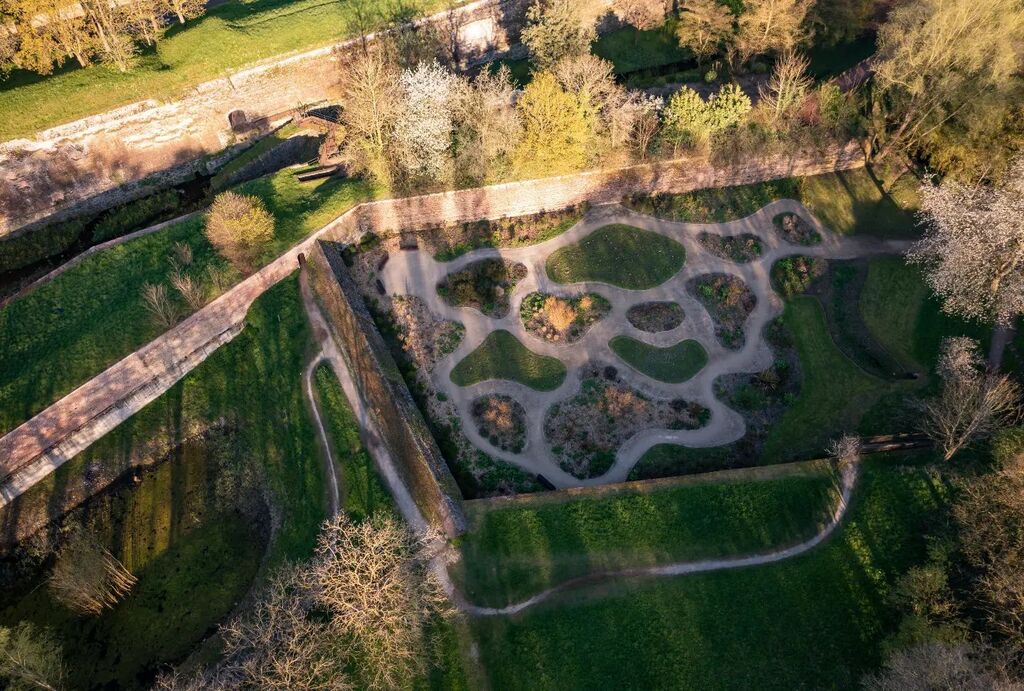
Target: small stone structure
{"points": [[405, 432]]}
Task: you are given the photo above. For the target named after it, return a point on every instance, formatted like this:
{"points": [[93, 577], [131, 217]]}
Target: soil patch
{"points": [[654, 317]]}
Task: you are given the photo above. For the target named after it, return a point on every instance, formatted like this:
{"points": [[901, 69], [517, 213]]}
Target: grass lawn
{"points": [[630, 50], [620, 255], [847, 202], [811, 622], [512, 553], [71, 329], [834, 395], [673, 364], [265, 144], [194, 554], [502, 356], [904, 316], [229, 36]]}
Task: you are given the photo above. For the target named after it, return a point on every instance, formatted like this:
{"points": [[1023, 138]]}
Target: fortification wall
{"points": [[402, 426], [113, 157]]}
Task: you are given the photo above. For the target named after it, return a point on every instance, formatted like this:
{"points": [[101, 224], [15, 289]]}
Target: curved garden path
{"points": [[418, 273]]}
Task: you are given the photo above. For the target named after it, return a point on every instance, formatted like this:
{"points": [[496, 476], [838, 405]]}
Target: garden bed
{"points": [[448, 242], [796, 230], [484, 285], [586, 431], [738, 248], [729, 301], [501, 420], [794, 275], [562, 320], [655, 317], [619, 255]]}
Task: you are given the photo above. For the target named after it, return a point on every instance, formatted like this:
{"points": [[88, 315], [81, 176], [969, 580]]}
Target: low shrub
{"points": [[134, 215], [37, 245]]}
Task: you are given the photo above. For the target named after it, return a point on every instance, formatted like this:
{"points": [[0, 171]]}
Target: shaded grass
{"points": [[229, 36], [629, 49], [363, 491], [502, 356], [814, 621], [834, 395], [829, 61], [510, 554], [620, 255], [673, 364], [250, 155]]}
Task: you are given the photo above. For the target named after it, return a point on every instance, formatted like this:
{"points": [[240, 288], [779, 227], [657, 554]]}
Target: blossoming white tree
{"points": [[973, 247], [425, 123]]}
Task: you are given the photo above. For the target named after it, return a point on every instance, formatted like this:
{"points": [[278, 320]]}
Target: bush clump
{"points": [[239, 227], [794, 275]]}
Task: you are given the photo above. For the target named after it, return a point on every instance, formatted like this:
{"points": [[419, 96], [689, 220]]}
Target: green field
{"points": [[502, 356], [673, 364], [513, 553], [228, 36], [815, 621], [620, 255], [69, 330], [181, 530]]}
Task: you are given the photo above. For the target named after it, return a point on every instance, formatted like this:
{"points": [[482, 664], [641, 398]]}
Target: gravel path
{"points": [[417, 273]]}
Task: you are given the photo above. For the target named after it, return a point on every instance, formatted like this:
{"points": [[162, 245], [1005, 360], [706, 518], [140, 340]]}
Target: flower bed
{"points": [[586, 431], [654, 317], [562, 320], [795, 229], [729, 301], [738, 248], [484, 285], [501, 420]]}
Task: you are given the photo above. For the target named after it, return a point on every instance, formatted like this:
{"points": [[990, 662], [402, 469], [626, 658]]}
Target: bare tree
{"points": [[642, 14], [488, 126], [770, 25], [240, 227], [88, 578], [845, 450], [371, 97], [787, 87], [161, 308], [31, 658], [193, 292], [938, 665], [973, 247], [704, 27], [972, 403], [185, 9], [646, 124]]}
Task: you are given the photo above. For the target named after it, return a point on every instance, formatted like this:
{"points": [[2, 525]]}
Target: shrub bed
{"points": [[484, 285], [501, 420], [794, 275], [738, 248], [795, 229], [654, 317], [451, 241], [562, 320], [729, 301]]}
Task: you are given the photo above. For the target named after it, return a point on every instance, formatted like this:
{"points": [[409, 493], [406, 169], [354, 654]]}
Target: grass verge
{"points": [[652, 258], [502, 356], [814, 621], [674, 364]]}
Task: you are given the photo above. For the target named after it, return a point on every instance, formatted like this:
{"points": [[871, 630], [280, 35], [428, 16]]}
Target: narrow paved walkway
{"points": [[418, 273]]}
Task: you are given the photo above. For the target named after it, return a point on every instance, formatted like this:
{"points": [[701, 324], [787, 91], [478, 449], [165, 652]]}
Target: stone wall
{"points": [[597, 187], [106, 157], [381, 386]]}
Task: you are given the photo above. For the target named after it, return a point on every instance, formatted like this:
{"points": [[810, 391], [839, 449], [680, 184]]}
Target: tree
{"points": [[371, 101], [935, 59], [161, 308], [787, 87], [146, 19], [239, 227], [86, 577], [185, 9], [689, 120], [642, 14], [845, 450], [972, 404], [488, 126], [558, 129], [936, 665], [840, 21], [973, 246], [425, 123], [554, 30], [112, 28], [30, 658], [770, 25], [704, 27], [646, 124]]}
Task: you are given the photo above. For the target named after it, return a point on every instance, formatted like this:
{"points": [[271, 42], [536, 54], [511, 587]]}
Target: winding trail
{"points": [[418, 273], [330, 472]]}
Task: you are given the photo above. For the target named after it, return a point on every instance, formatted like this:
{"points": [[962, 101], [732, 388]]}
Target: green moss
{"points": [[620, 255], [502, 356], [674, 364]]}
